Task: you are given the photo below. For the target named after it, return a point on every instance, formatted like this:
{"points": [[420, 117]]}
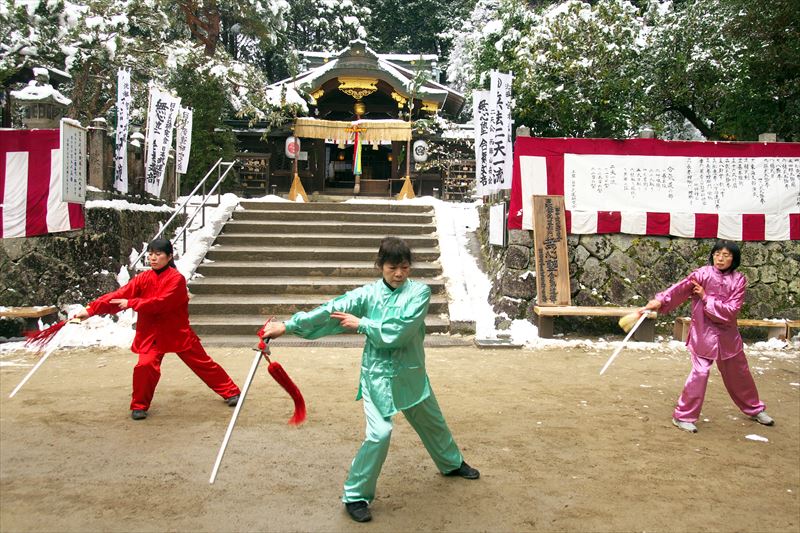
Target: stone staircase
{"points": [[277, 258]]}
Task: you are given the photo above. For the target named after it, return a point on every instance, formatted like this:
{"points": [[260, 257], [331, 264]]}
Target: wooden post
{"points": [[408, 158], [97, 151]]}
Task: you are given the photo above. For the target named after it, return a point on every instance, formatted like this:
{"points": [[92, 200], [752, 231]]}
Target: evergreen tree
{"points": [[211, 139], [729, 69], [415, 26]]}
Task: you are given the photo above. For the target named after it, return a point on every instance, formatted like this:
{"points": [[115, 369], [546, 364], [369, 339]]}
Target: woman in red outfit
{"points": [[161, 299]]}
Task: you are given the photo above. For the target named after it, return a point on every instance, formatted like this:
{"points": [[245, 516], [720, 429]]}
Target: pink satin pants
{"points": [[737, 378]]}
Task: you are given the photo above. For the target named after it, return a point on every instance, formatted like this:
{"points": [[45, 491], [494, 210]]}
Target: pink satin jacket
{"points": [[713, 333]]}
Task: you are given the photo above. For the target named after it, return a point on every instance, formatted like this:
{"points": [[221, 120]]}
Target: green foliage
{"points": [[728, 69], [415, 26], [24, 30], [584, 80], [765, 93], [210, 138], [691, 65]]}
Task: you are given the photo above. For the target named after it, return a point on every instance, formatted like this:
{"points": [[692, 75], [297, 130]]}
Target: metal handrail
{"points": [[199, 207]]}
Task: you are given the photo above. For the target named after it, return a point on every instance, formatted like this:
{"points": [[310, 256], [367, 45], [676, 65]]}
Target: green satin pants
{"points": [[426, 419]]}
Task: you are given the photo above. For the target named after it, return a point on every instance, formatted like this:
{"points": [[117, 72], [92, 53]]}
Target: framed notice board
{"points": [[550, 251]]}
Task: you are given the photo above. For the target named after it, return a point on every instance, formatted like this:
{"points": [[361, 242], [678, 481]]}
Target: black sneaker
{"points": [[465, 471], [358, 511], [138, 414], [232, 401]]}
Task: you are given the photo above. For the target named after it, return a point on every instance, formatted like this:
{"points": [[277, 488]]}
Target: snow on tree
{"points": [[605, 68]]}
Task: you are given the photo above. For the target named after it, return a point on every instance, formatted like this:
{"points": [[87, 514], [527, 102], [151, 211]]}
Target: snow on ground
{"points": [[202, 237], [467, 286]]}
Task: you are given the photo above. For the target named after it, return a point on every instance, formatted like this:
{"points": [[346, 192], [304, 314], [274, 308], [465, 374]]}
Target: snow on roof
{"points": [[307, 77], [281, 94], [387, 57], [315, 54], [385, 63], [409, 57], [404, 73], [34, 92]]}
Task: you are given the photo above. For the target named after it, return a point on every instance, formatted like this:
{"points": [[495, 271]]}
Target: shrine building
{"points": [[356, 94]]}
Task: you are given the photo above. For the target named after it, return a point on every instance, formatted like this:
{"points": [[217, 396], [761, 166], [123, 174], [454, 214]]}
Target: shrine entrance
{"points": [[376, 165]]}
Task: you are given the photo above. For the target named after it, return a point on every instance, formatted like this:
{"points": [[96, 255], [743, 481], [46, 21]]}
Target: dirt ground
{"points": [[559, 447]]}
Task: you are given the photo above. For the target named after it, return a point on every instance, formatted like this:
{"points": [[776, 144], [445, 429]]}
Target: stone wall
{"points": [[621, 269], [73, 267]]}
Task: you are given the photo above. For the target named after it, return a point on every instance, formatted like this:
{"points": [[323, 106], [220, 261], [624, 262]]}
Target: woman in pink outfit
{"points": [[717, 293]]}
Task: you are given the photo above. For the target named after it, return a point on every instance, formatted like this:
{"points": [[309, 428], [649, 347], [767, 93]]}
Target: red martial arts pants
{"points": [[147, 372]]}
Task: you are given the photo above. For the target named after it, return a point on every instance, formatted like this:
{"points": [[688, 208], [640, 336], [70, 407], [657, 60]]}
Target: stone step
{"points": [[279, 258], [248, 325], [318, 226], [249, 342], [299, 239], [308, 268], [275, 304], [338, 216], [378, 207], [290, 285], [305, 253]]}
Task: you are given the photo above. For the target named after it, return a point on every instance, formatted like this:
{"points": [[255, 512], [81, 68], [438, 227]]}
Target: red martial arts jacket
{"points": [[162, 303]]}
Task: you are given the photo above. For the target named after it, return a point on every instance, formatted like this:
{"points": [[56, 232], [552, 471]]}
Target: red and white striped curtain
{"points": [[736, 191], [30, 185]]}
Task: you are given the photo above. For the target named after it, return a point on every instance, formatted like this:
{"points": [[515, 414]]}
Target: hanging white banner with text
{"points": [[725, 185], [699, 190], [73, 161], [161, 115], [500, 154], [480, 114], [183, 140], [123, 119]]}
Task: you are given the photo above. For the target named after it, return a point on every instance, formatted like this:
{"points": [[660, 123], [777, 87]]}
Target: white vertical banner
{"points": [[73, 161], [480, 114], [500, 149], [123, 120], [161, 115], [183, 140]]}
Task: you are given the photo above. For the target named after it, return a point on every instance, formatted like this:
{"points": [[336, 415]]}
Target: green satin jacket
{"points": [[393, 361]]}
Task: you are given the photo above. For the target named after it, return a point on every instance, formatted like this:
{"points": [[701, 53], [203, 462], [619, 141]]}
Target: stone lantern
{"points": [[41, 104]]}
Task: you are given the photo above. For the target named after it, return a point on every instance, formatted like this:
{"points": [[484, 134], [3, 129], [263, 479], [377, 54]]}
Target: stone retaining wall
{"points": [[73, 267], [621, 269]]}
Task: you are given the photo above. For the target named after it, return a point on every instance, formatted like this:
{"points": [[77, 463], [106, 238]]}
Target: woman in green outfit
{"points": [[391, 314]]}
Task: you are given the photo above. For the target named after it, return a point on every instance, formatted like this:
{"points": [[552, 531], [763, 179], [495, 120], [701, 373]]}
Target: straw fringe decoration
{"points": [[372, 130]]}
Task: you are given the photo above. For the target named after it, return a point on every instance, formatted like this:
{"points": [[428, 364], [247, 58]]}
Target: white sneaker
{"points": [[686, 426], [763, 418]]}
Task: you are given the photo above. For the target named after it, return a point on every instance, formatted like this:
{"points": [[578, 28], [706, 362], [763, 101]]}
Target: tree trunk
{"points": [[689, 114], [203, 22]]}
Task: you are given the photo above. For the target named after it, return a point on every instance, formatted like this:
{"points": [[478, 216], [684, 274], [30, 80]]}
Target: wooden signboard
{"points": [[550, 251]]}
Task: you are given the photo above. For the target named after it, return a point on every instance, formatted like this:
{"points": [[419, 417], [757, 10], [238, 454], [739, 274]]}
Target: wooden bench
{"points": [[776, 329], [47, 313], [545, 316], [792, 325]]}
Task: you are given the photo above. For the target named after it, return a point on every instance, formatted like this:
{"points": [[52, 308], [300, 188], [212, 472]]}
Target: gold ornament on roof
{"points": [[358, 88], [433, 107], [401, 100], [316, 95]]}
